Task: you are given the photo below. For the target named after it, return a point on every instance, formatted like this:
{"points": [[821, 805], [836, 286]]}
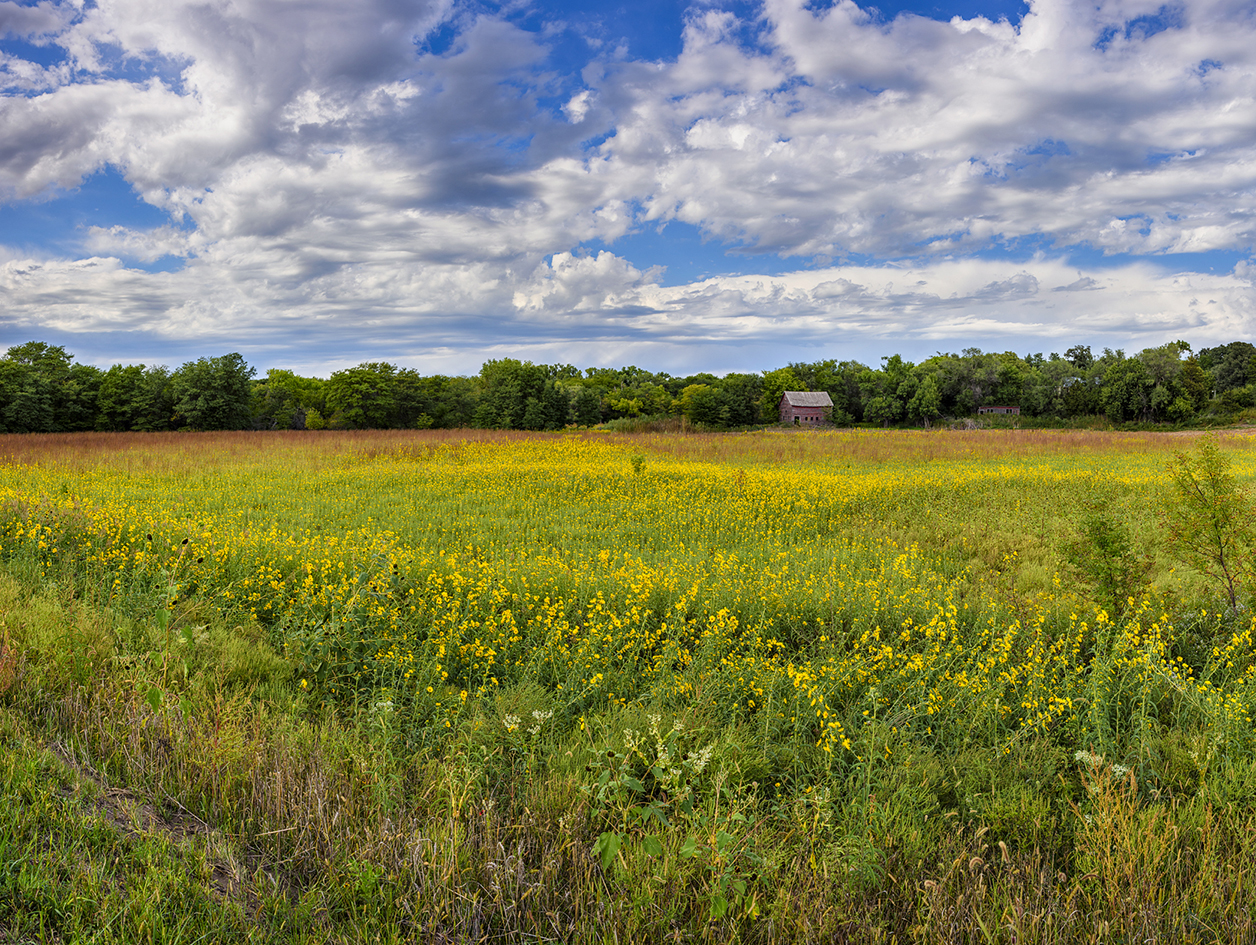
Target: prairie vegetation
{"points": [[452, 686]]}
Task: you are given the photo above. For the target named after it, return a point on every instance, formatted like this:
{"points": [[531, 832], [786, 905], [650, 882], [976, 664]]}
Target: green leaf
{"points": [[723, 840], [651, 846], [154, 697], [653, 811], [632, 784], [689, 847], [606, 846], [719, 905]]}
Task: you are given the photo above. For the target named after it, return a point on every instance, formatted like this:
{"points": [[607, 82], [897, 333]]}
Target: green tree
{"points": [[887, 392], [283, 399], [775, 383], [1044, 387], [1229, 366], [1209, 518], [42, 390], [1195, 384], [118, 399], [973, 382], [154, 401], [413, 401], [507, 386], [883, 409], [738, 396], [1010, 378], [362, 397], [1238, 398], [587, 407], [926, 404], [1127, 391], [450, 401], [25, 399], [648, 399], [547, 411], [76, 402], [700, 404], [1081, 396], [1080, 357], [214, 393]]}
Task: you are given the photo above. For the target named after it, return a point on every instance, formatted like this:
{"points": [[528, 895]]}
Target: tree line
{"points": [[43, 389]]}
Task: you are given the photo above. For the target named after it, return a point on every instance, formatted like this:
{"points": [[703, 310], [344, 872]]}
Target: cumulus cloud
{"points": [[1081, 284], [327, 175], [604, 308], [142, 245], [30, 21], [851, 135]]}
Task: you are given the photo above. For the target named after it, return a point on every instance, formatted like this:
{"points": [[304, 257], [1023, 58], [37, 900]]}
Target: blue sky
{"points": [[707, 186]]}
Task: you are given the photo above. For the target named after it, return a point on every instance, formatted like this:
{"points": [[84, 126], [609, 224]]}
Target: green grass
{"points": [[168, 778]]}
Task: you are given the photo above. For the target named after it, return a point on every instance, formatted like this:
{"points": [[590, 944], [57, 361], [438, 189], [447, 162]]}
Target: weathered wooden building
{"points": [[806, 408], [1007, 410]]}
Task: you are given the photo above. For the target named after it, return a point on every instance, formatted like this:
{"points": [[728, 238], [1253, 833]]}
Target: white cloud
{"points": [[326, 181], [33, 20], [604, 310], [850, 135], [142, 245]]}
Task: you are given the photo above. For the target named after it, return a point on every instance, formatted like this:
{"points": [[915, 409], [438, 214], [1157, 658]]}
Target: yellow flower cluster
{"points": [[818, 600]]}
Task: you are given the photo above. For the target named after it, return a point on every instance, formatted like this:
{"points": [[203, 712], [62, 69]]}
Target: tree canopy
{"points": [[43, 389]]}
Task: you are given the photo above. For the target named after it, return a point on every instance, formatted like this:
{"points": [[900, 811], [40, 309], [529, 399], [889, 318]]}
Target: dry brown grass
{"points": [[8, 662], [884, 446], [141, 452]]}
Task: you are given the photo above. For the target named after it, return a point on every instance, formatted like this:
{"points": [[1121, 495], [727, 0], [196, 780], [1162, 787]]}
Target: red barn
{"points": [[806, 408]]}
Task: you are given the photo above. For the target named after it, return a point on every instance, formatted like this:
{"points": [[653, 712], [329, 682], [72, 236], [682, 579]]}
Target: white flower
{"points": [[541, 718], [700, 759]]}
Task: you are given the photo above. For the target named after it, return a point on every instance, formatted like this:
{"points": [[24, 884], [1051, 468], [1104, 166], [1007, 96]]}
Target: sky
{"points": [[705, 186]]}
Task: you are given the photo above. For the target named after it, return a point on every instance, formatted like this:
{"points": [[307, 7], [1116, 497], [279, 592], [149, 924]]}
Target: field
{"points": [[463, 686]]}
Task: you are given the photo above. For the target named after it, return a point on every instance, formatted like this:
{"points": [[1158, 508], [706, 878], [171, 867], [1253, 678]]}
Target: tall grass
{"points": [[840, 684]]}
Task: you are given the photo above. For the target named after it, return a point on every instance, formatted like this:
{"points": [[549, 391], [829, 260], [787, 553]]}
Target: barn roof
{"points": [[800, 398]]}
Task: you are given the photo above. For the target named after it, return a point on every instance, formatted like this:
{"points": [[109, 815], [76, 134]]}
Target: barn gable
{"points": [[806, 407]]}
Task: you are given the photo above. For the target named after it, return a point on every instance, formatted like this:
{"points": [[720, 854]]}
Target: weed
{"points": [[1209, 519]]}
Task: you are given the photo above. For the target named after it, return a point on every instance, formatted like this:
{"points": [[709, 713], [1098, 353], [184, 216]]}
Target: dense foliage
{"points": [[42, 390]]}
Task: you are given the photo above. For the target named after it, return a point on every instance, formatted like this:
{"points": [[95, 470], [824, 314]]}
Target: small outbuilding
{"points": [[1007, 410], [806, 408]]}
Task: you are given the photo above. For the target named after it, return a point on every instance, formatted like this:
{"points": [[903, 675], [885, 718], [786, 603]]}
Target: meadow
{"points": [[578, 687]]}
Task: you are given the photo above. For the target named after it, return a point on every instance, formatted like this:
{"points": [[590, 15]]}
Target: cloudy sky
{"points": [[703, 186]]}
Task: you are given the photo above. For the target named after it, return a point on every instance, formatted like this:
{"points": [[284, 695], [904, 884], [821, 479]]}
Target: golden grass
{"points": [[152, 451]]}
